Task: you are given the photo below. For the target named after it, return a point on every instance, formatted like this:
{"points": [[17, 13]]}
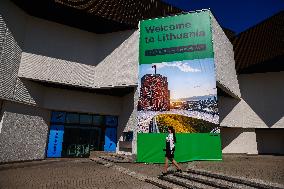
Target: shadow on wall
{"points": [[26, 110], [127, 117], [67, 43], [225, 106], [29, 92], [41, 37], [264, 93], [127, 110], [14, 19], [270, 141], [228, 135]]}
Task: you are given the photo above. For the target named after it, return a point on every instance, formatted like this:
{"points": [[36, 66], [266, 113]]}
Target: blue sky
{"points": [[186, 78], [235, 15]]}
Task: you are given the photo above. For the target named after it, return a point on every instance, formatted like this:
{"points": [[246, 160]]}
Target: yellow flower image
{"points": [[183, 124]]}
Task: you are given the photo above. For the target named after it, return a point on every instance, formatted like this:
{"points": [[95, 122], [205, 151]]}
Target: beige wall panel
{"points": [[238, 140], [230, 112], [263, 103], [120, 68], [15, 19], [54, 70], [68, 100], [62, 54], [224, 61], [128, 118], [24, 132], [270, 141], [59, 41]]}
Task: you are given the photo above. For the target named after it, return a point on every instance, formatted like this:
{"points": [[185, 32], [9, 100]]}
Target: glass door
{"points": [[79, 141]]}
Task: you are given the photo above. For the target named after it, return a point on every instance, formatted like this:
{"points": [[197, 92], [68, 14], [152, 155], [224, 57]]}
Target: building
{"points": [[254, 123], [77, 69], [74, 69], [154, 94]]}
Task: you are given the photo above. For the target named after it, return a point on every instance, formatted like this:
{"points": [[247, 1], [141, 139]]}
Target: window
{"points": [[58, 117], [127, 136], [98, 120], [85, 119], [111, 121], [72, 118]]}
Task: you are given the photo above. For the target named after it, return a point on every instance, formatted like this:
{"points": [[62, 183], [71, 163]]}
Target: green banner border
{"points": [[189, 147], [198, 21]]}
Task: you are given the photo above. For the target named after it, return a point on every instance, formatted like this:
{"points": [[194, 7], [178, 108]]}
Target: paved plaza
{"points": [[79, 174], [85, 173]]}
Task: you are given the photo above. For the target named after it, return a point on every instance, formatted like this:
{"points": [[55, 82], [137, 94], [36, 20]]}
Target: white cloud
{"points": [[182, 66]]}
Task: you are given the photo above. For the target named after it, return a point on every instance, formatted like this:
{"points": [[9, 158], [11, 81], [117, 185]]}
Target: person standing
{"points": [[170, 150]]}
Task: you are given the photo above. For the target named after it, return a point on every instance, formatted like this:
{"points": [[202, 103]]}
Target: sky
{"points": [[185, 78], [234, 15]]}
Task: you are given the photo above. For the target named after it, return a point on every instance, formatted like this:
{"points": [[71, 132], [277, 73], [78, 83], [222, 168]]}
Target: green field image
{"points": [[183, 124]]}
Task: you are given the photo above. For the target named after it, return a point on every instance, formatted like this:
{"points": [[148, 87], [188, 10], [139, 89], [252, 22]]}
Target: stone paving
{"points": [[267, 168], [84, 173], [80, 173]]}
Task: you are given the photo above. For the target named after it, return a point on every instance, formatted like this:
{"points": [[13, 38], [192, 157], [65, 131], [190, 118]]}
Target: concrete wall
{"points": [[230, 112], [270, 141], [252, 141], [23, 133], [119, 68], [262, 99], [10, 50], [12, 37], [84, 102], [36, 49], [256, 121], [238, 140], [261, 105], [62, 54], [128, 119], [62, 42], [15, 20], [224, 61]]}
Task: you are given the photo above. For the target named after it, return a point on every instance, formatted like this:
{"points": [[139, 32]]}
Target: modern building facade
{"points": [[77, 69], [254, 123]]}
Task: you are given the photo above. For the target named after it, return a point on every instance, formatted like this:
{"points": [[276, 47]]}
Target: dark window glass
{"points": [[72, 118], [58, 117], [111, 121], [85, 119], [128, 136], [98, 120]]}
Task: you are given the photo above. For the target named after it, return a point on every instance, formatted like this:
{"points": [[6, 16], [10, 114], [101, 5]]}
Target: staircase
{"points": [[197, 179], [191, 178]]}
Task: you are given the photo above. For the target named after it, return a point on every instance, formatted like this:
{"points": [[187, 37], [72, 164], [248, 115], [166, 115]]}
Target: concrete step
{"points": [[117, 159], [163, 183], [249, 183], [214, 182], [112, 157], [186, 183], [102, 162], [95, 154]]}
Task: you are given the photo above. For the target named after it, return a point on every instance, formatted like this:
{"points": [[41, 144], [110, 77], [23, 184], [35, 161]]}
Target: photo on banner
{"points": [[177, 81]]}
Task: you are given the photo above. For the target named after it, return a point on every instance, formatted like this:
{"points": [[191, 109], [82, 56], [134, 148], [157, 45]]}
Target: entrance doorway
{"points": [[76, 134], [79, 141]]}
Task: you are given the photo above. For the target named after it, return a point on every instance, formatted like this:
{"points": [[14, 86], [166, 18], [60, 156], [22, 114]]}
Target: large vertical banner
{"points": [[177, 87]]}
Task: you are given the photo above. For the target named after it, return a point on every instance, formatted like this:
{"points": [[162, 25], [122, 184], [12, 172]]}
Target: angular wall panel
{"points": [[10, 54], [23, 135], [224, 61]]}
